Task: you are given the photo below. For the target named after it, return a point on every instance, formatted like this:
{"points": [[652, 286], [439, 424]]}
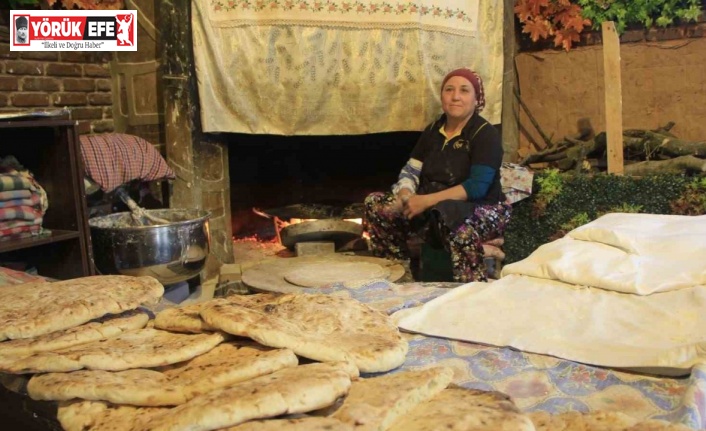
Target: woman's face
{"points": [[458, 98]]}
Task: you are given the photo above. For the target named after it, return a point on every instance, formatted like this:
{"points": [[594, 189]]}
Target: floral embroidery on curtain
{"points": [[453, 16]]}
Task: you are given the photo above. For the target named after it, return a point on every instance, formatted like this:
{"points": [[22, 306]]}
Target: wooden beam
{"points": [[613, 97], [510, 119]]}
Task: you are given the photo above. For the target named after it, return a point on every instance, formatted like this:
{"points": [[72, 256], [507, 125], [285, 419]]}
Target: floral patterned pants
{"points": [[389, 232]]}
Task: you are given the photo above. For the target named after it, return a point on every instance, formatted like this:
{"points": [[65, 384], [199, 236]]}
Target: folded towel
{"points": [[26, 213], [15, 194], [20, 231], [32, 201], [15, 181]]}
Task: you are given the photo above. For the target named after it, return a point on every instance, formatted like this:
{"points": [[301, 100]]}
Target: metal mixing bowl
{"points": [[171, 252]]}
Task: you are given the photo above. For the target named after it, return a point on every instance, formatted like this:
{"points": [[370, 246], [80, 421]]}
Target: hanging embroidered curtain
{"points": [[336, 67]]}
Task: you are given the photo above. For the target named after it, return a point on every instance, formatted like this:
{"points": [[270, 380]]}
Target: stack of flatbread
{"points": [[41, 317], [318, 327], [227, 364], [410, 400]]}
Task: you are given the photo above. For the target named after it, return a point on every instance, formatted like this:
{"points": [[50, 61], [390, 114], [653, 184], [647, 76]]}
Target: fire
{"points": [[295, 221], [282, 223]]}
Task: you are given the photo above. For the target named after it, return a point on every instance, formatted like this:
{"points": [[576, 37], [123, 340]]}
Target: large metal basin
{"points": [[171, 252]]}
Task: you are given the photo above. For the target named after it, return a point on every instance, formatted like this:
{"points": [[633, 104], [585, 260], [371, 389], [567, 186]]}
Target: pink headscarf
{"points": [[474, 79]]}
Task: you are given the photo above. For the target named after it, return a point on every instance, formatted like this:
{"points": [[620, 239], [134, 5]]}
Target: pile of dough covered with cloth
{"points": [[624, 291], [245, 362]]}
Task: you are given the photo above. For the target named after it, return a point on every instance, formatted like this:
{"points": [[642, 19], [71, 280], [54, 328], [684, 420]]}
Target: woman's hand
{"points": [[400, 199], [415, 205]]}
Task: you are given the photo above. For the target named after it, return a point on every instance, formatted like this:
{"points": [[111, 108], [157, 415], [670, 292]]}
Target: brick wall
{"points": [[79, 81]]}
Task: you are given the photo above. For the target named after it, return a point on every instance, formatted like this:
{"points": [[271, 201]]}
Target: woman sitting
{"points": [[449, 191]]}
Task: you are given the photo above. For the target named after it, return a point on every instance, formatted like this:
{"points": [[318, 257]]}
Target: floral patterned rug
{"points": [[539, 382]]}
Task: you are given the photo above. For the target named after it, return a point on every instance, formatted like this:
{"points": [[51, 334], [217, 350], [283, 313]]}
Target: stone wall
{"points": [[75, 80], [663, 80]]}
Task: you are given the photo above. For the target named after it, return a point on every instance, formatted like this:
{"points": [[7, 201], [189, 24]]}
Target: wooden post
{"points": [[510, 118], [200, 162], [613, 97]]}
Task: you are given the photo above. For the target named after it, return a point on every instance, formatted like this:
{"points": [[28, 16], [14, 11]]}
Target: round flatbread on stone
{"points": [[223, 366], [268, 276], [33, 309], [320, 274], [465, 409], [315, 326], [143, 348], [100, 329]]}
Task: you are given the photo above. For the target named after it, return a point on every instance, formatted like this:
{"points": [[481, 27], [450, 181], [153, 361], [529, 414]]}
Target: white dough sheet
{"points": [[631, 253], [624, 291]]}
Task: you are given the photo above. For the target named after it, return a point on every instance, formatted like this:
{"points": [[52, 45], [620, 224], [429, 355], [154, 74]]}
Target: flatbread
{"points": [[309, 423], [143, 348], [598, 421], [374, 404], [287, 391], [105, 327], [319, 327], [183, 319], [290, 390], [320, 274], [33, 309], [465, 409], [102, 416], [658, 425], [574, 421], [223, 366]]}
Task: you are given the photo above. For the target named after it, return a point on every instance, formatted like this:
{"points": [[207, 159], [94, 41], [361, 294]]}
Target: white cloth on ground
{"points": [[634, 316]]}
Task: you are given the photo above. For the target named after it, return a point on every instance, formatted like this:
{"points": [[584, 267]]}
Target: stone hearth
{"points": [[229, 174]]}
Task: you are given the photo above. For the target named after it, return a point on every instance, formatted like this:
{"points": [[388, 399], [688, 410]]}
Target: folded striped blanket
{"points": [[15, 194], [6, 224], [15, 182], [32, 201], [20, 231], [20, 213]]}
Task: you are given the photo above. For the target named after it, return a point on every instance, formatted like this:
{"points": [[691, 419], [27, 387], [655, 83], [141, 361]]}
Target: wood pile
{"points": [[645, 152]]}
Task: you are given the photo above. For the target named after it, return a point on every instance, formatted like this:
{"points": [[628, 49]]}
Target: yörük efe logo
{"points": [[59, 30]]}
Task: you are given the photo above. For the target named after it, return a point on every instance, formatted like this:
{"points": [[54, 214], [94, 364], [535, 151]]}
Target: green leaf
{"points": [[640, 12], [664, 21]]}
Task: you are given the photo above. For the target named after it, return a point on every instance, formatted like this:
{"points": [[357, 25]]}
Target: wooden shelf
{"points": [[49, 148], [7, 124], [20, 243]]}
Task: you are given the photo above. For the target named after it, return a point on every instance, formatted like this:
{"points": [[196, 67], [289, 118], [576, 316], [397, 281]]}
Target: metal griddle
{"points": [[340, 232]]}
